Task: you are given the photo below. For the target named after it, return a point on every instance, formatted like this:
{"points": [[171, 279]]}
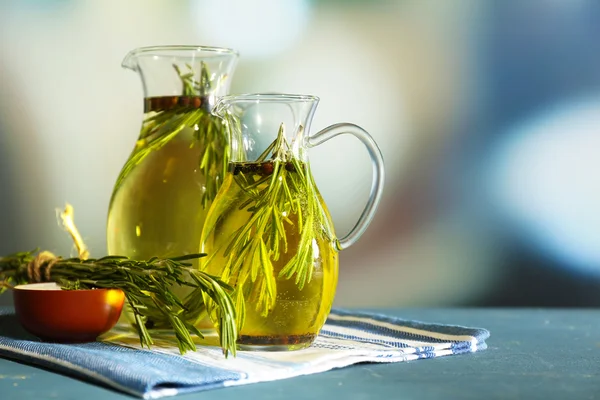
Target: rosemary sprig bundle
{"points": [[143, 282], [282, 200], [209, 133]]}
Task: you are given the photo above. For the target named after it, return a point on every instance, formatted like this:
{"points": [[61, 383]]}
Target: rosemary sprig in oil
{"points": [[283, 201], [209, 133]]}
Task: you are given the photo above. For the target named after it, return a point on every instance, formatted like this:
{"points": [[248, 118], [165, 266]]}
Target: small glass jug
{"points": [[161, 197], [268, 232]]}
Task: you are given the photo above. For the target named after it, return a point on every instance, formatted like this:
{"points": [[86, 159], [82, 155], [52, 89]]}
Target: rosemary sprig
{"points": [[143, 282], [211, 138], [209, 133], [282, 201], [192, 87]]}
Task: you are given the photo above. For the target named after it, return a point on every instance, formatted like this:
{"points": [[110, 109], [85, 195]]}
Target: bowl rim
{"points": [[52, 287]]}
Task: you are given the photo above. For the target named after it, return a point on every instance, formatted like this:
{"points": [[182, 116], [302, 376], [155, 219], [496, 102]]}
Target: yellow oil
{"points": [[156, 211], [298, 314], [156, 208]]}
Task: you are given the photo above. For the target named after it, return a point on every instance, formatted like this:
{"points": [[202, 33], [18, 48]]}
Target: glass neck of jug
{"points": [[175, 73], [263, 127]]}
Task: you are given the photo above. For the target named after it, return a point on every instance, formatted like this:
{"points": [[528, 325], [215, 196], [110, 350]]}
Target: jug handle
{"points": [[376, 184]]}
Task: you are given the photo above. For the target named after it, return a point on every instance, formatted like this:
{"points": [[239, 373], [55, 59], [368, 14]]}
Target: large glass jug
{"points": [[268, 232], [161, 197]]}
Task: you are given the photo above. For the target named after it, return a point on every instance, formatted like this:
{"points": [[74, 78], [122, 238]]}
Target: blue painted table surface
{"points": [[532, 354]]}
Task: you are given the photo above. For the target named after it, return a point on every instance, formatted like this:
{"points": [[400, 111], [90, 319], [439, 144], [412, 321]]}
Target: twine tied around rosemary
{"points": [[44, 260]]}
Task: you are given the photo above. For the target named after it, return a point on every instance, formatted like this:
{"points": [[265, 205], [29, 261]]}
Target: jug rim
{"points": [[173, 49], [270, 96], [166, 47]]}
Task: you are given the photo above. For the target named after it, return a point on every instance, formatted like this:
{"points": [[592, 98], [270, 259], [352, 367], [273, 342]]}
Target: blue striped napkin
{"points": [[347, 338]]}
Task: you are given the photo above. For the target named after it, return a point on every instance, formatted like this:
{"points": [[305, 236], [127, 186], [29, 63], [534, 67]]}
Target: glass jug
{"points": [[268, 232], [161, 197]]}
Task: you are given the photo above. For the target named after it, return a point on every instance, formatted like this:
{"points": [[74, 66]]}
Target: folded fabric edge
{"points": [[349, 362], [480, 334], [65, 367]]}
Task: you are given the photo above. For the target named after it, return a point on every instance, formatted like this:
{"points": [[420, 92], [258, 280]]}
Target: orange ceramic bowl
{"points": [[67, 316]]}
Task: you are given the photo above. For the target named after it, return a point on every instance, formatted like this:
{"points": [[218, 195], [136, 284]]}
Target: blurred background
{"points": [[487, 113]]}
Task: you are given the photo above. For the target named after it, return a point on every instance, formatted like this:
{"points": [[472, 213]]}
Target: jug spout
{"points": [[130, 60], [179, 70]]}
